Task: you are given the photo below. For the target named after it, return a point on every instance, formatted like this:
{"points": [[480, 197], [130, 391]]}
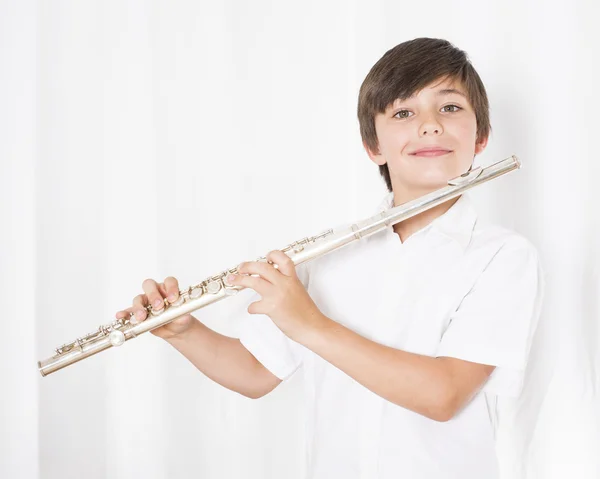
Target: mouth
{"points": [[430, 153]]}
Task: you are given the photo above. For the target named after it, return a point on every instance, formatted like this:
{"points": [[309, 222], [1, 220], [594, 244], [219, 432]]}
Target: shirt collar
{"points": [[457, 223]]}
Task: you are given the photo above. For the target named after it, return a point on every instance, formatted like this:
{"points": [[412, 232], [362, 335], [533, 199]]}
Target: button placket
{"points": [[370, 435], [390, 299], [383, 315]]}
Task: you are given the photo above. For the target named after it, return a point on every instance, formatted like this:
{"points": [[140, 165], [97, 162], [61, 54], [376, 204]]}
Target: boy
{"points": [[406, 337]]}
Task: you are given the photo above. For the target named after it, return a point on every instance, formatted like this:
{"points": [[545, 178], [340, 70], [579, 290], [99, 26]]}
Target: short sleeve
{"points": [[265, 341], [495, 322]]}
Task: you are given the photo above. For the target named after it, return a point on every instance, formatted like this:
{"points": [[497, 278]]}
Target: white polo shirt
{"points": [[458, 287]]}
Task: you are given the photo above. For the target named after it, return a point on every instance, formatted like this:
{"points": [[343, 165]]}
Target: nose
{"points": [[430, 127]]}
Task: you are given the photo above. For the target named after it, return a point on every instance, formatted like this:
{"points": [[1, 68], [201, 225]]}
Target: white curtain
{"points": [[147, 139]]}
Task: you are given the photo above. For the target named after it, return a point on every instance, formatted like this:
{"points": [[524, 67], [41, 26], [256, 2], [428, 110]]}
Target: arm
{"points": [[225, 360], [433, 387]]}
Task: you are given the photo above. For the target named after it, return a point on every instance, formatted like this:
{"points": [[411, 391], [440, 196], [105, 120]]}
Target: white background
{"points": [[147, 139]]}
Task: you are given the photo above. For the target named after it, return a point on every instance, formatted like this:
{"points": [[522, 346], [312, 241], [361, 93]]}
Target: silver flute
{"points": [[215, 288]]}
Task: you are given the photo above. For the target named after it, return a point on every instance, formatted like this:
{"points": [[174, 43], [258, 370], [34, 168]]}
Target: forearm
{"points": [[223, 359], [410, 380]]}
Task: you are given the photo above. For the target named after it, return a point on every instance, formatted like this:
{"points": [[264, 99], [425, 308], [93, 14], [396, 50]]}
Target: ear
{"points": [[479, 147], [375, 157]]}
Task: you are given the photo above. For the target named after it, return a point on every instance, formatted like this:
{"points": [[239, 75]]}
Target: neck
{"points": [[410, 226]]}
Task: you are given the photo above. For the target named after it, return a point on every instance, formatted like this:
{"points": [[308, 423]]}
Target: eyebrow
{"points": [[448, 91]]}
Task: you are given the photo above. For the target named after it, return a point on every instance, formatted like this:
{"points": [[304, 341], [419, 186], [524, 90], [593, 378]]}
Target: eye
{"points": [[401, 116], [455, 106]]}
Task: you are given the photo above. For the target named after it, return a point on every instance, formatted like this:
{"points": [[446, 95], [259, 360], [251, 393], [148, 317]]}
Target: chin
{"points": [[438, 178], [421, 188]]}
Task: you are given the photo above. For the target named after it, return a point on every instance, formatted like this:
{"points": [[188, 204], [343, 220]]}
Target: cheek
{"points": [[393, 140], [465, 129]]}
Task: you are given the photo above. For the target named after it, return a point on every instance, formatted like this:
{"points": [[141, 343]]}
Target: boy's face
{"points": [[427, 120]]}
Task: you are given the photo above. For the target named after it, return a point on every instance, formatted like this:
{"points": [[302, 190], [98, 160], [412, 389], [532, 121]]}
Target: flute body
{"points": [[215, 288]]}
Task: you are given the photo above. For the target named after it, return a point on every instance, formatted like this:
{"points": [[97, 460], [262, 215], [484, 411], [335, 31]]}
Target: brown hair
{"points": [[408, 68]]}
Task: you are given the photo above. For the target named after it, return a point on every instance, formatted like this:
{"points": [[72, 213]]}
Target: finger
{"points": [[140, 302], [171, 289], [264, 270], [259, 285], [284, 263], [165, 294], [162, 290], [155, 298], [125, 313]]}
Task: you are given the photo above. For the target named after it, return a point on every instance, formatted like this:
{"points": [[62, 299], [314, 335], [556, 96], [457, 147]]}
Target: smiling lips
{"points": [[431, 152]]}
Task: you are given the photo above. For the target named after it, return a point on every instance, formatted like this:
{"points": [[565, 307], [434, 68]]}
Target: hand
{"points": [[155, 294], [283, 296]]}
